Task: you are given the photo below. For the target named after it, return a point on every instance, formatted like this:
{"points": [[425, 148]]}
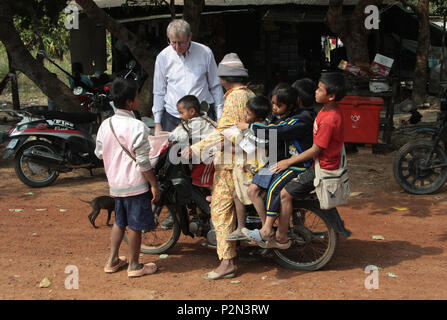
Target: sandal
{"points": [[215, 276], [148, 268], [236, 235], [273, 244], [122, 261], [255, 235]]}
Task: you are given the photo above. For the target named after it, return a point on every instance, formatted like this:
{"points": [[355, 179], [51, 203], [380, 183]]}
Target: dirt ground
{"points": [[411, 258]]}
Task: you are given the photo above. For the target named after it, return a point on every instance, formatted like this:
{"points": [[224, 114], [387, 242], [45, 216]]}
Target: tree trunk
{"points": [[23, 61], [192, 10], [139, 51], [420, 75], [352, 31], [14, 85]]}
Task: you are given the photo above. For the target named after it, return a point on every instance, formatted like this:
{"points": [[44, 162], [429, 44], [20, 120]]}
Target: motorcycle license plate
{"points": [[12, 144]]}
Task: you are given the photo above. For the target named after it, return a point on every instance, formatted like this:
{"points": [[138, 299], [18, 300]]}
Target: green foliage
{"points": [[438, 7], [55, 37], [44, 18]]}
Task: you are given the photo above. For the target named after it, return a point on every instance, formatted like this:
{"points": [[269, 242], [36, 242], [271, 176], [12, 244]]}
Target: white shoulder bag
{"points": [[332, 186]]}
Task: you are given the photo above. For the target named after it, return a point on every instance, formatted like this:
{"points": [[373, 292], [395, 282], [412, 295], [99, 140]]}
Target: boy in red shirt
{"points": [[328, 139]]}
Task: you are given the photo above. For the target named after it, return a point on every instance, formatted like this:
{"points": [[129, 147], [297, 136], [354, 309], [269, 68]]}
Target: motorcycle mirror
{"points": [[407, 105], [77, 91]]}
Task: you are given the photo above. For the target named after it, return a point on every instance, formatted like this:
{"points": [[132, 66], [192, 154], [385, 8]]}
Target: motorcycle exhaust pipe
{"points": [[50, 160]]}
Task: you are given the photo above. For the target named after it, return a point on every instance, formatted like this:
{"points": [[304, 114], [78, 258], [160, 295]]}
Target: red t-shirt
{"points": [[329, 135]]}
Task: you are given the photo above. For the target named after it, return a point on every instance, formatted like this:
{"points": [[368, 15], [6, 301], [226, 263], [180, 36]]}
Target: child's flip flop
{"points": [[273, 244], [148, 268], [254, 235], [121, 263], [236, 236]]}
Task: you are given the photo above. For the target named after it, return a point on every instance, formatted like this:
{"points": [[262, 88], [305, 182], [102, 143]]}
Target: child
{"points": [[294, 135], [256, 111], [194, 126], [328, 139], [122, 143]]}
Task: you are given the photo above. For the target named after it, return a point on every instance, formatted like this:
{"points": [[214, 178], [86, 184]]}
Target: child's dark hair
{"points": [[190, 102], [123, 90], [260, 106], [285, 94], [335, 84], [306, 91]]}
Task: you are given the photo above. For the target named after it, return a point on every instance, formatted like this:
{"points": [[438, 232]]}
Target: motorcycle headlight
{"points": [[77, 91]]}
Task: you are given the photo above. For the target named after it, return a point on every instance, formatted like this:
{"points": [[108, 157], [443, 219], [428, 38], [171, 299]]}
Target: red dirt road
{"points": [[38, 244]]}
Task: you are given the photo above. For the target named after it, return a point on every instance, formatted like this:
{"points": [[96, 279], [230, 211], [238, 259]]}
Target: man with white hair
{"points": [[184, 68]]}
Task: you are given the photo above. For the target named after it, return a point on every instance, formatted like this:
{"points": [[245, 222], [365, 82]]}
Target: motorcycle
{"points": [[420, 166], [313, 231], [46, 143]]}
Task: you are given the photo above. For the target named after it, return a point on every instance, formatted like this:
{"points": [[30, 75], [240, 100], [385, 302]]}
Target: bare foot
{"points": [[267, 234]]}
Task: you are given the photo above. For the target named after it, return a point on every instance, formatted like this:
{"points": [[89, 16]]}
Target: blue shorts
{"points": [[135, 212], [263, 177]]}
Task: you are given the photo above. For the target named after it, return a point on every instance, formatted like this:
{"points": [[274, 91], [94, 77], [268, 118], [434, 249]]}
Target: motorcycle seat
{"points": [[73, 117]]}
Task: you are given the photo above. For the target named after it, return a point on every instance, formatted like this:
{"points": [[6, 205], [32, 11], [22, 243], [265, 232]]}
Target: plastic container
{"points": [[361, 116]]}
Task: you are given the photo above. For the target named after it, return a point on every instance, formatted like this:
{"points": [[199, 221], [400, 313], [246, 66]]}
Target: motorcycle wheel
{"points": [[314, 240], [157, 240], [408, 172], [33, 174]]}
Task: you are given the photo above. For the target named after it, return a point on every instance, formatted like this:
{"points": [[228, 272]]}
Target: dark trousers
{"points": [[169, 122]]}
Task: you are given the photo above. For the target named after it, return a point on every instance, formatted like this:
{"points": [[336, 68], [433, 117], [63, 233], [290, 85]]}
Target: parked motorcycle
{"points": [[314, 232], [420, 166], [46, 143]]}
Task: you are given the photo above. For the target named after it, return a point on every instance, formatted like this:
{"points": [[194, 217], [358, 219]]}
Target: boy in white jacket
{"points": [[194, 127]]}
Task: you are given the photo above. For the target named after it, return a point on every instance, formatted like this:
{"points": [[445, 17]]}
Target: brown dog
{"points": [[98, 203]]}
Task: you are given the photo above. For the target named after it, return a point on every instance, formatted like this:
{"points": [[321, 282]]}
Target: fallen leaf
{"points": [[235, 281], [400, 209], [264, 277], [45, 283], [439, 197], [29, 194], [15, 210], [353, 194], [163, 256], [392, 275], [378, 237], [63, 210], [35, 234], [16, 276], [368, 183], [41, 209]]}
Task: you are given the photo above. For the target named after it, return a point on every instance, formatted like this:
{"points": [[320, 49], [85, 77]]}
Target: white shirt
{"points": [[177, 76], [198, 129]]}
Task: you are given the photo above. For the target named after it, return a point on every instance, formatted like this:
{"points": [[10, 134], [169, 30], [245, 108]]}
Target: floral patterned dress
{"points": [[222, 204]]}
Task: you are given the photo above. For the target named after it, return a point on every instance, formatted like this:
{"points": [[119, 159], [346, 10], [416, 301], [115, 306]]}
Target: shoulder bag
{"points": [[332, 186]]}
